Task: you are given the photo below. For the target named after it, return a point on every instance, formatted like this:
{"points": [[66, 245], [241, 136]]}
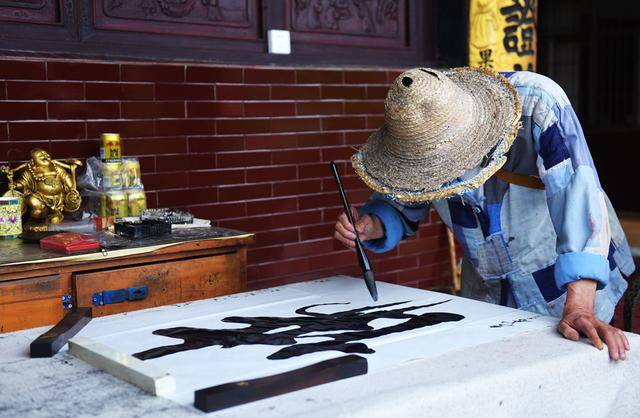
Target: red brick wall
{"points": [[247, 147]]}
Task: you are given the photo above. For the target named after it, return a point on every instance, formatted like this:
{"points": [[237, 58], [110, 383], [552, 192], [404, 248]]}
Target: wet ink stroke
{"points": [[512, 323], [354, 325]]}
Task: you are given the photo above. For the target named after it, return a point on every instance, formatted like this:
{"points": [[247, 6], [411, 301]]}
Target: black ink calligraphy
{"points": [[485, 58], [343, 330], [519, 34], [512, 323]]}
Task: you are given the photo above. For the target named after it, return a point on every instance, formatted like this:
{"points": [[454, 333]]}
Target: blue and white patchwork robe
{"points": [[523, 245]]}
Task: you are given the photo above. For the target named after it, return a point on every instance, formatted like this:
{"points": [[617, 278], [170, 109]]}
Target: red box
{"points": [[71, 243]]}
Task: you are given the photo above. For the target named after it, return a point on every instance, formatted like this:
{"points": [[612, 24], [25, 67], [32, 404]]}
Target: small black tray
{"points": [[142, 229], [173, 216]]}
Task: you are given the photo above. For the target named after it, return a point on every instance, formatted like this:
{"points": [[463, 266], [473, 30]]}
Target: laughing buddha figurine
{"points": [[47, 187]]}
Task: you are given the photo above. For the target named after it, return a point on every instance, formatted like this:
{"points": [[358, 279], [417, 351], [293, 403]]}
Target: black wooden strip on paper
{"points": [[237, 393], [49, 343]]}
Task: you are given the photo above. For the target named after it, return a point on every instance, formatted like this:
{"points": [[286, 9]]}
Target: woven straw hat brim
{"points": [[431, 175]]}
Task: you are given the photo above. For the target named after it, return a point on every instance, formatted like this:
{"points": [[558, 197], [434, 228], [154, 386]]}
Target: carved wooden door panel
{"points": [[235, 19], [32, 11], [348, 22], [24, 23]]}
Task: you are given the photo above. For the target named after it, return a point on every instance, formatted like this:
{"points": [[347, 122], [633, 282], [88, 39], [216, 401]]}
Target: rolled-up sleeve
{"points": [[577, 204], [399, 221]]}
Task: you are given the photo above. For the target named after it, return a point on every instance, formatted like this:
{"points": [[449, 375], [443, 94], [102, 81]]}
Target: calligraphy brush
{"points": [[362, 256]]}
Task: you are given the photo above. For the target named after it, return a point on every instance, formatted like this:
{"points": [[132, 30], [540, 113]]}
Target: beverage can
{"points": [[110, 148], [117, 203], [136, 201], [131, 173], [112, 175]]}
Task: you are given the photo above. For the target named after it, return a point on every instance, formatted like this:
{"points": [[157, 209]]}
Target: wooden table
{"points": [[37, 287]]}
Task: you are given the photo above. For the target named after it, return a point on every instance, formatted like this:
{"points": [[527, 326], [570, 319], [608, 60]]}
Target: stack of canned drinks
{"points": [[123, 190]]}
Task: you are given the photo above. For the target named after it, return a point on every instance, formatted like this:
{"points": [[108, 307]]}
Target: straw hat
{"points": [[437, 126]]}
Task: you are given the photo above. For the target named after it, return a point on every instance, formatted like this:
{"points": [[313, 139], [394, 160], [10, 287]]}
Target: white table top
{"points": [[469, 367]]}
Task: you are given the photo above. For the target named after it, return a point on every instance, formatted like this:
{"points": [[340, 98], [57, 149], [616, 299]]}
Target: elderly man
{"points": [[503, 160]]}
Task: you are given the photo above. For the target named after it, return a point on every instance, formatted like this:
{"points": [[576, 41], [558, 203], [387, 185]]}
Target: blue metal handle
{"points": [[107, 297]]}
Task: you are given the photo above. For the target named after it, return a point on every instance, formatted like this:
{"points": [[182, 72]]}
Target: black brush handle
{"points": [[362, 256]]}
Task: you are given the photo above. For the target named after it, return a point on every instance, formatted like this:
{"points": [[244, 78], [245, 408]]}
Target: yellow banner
{"points": [[502, 34]]}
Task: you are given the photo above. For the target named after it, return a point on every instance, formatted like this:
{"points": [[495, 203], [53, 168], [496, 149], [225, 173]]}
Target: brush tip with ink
{"points": [[370, 281]]}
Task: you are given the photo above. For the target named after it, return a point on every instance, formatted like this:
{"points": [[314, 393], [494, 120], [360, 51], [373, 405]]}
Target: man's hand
{"points": [[578, 317], [369, 227]]}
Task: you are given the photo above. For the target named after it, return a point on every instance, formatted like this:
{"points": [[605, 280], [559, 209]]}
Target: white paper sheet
{"points": [[132, 332]]}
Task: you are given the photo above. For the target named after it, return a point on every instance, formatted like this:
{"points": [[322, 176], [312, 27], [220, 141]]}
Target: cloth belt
{"points": [[523, 180]]}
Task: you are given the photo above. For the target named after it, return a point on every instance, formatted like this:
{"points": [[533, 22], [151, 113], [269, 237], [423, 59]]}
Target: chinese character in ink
{"points": [[485, 58], [519, 35]]}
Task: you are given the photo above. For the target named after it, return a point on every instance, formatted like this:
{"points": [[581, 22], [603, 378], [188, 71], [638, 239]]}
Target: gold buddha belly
{"points": [[50, 185]]}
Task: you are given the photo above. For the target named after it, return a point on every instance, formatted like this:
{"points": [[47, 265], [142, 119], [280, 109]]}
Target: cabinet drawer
{"points": [[167, 282], [30, 289], [30, 313], [32, 302]]}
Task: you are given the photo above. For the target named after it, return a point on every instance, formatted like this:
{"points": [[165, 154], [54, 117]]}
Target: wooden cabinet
{"points": [[39, 292]]}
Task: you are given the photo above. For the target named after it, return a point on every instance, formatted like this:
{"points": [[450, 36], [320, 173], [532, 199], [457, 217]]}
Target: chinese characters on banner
{"points": [[502, 34]]}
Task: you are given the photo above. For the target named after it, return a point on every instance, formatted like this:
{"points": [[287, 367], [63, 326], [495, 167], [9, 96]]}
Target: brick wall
{"points": [[247, 147]]}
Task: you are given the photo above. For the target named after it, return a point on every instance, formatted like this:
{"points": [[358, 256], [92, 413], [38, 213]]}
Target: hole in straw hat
{"points": [[406, 81], [433, 73]]}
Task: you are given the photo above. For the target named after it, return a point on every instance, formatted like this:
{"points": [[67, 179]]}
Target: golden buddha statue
{"points": [[47, 187]]}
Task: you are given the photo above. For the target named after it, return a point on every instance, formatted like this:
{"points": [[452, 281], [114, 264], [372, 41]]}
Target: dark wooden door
{"points": [[327, 32]]}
